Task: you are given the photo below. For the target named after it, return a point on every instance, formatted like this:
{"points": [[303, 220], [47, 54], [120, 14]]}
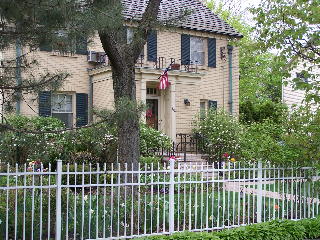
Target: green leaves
{"points": [[274, 230], [291, 27]]}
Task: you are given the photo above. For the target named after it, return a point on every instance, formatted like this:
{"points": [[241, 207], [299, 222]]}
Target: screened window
{"points": [[202, 110], [197, 50], [62, 108]]}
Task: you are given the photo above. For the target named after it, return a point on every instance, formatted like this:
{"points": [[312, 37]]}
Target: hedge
{"points": [[274, 230]]}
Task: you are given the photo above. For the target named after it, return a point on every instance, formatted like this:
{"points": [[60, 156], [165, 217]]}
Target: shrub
{"points": [[220, 132], [96, 144], [187, 235], [149, 160], [25, 147], [260, 111], [312, 227], [152, 140], [274, 230]]}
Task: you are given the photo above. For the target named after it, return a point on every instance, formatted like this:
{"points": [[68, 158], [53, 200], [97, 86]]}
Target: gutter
{"points": [[230, 49], [90, 109]]}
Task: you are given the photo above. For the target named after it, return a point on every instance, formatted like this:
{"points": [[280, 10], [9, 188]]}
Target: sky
{"points": [[242, 5]]}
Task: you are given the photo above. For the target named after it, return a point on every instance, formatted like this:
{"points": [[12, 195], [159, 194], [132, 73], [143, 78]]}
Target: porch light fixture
{"points": [[186, 102]]}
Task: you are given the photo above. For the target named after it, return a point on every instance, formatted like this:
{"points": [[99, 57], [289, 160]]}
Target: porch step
{"points": [[190, 158]]}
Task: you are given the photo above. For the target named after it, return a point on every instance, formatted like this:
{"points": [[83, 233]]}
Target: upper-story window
{"points": [[303, 77], [129, 35], [64, 44], [62, 108], [197, 50]]}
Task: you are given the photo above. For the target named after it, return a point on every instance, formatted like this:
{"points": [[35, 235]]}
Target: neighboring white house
{"points": [[293, 97]]}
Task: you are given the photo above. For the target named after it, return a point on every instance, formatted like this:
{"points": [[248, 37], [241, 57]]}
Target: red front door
{"points": [[152, 113]]}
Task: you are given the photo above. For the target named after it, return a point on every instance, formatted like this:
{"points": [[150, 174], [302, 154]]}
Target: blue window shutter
{"points": [[185, 49], [82, 109], [213, 105], [212, 52], [82, 45], [152, 46], [45, 104]]}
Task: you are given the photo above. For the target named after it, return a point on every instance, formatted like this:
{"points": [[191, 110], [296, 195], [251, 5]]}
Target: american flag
{"points": [[164, 80]]}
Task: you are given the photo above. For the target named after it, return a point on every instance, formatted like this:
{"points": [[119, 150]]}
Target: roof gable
{"points": [[201, 18]]}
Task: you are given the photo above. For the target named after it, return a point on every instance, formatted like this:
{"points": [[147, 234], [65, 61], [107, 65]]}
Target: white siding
{"points": [[292, 97]]}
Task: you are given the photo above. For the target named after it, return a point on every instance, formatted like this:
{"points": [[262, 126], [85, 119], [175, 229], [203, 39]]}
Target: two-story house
{"points": [[204, 72]]}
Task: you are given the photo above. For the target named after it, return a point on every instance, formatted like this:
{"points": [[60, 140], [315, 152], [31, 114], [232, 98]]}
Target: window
{"points": [[64, 44], [197, 50], [129, 35], [62, 108], [202, 109], [303, 77], [152, 91]]}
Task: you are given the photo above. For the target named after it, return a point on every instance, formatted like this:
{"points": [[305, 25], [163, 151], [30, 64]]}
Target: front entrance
{"points": [[152, 113]]}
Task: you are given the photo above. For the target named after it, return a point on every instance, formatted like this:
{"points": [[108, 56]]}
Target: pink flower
{"points": [[226, 155]]}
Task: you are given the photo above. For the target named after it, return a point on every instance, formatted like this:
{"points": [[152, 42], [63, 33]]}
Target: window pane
{"points": [[66, 118], [68, 105], [61, 103], [196, 50], [129, 35]]}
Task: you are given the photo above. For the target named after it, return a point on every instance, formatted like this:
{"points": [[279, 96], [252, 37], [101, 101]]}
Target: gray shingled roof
{"points": [[201, 18]]}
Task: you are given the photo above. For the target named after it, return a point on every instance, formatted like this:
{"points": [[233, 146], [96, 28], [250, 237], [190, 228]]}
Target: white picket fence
{"points": [[114, 202]]}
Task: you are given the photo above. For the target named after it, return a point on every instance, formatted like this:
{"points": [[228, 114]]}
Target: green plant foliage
{"points": [[292, 28], [221, 133], [312, 227], [18, 147], [187, 235], [151, 139], [274, 230], [96, 144], [149, 160], [260, 71], [259, 111], [264, 141]]}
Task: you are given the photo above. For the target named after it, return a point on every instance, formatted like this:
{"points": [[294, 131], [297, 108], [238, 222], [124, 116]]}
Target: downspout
{"points": [[90, 99], [18, 75], [230, 49]]}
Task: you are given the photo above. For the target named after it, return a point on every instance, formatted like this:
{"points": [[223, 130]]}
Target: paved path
{"points": [[243, 186]]}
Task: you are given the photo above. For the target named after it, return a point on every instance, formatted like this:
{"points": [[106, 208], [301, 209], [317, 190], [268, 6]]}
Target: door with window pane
{"points": [[62, 108], [152, 113]]}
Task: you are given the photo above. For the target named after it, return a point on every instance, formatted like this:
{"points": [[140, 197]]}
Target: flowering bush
{"points": [[221, 134], [17, 147], [151, 139], [94, 144]]}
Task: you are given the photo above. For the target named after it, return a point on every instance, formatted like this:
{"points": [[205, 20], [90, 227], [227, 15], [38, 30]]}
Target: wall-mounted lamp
{"points": [[186, 102]]}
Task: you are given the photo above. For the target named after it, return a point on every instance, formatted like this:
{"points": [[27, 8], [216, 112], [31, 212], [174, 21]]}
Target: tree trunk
{"points": [[126, 106]]}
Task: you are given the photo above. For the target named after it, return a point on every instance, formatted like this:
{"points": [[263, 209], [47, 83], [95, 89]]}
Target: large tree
{"points": [[292, 28], [260, 70], [123, 56], [33, 22]]}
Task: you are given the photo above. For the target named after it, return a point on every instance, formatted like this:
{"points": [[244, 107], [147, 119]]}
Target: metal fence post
{"points": [[259, 196], [58, 200], [171, 197]]}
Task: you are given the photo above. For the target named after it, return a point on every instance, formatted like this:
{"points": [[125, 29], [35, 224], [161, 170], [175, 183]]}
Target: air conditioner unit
{"points": [[92, 56], [101, 57]]}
